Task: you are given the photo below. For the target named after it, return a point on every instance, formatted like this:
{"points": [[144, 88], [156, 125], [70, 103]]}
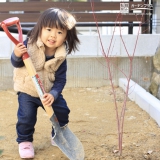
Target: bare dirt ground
{"points": [[93, 120]]}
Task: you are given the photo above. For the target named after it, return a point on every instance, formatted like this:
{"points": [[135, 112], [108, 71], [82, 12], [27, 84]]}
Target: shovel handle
{"points": [[10, 22]]}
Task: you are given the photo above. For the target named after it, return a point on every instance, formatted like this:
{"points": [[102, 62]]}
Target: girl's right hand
{"points": [[20, 49]]}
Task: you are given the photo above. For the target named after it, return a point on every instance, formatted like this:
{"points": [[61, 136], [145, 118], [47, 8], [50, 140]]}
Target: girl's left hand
{"points": [[48, 99]]}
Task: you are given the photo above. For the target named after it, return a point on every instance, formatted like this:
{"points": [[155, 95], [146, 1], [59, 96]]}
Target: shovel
{"points": [[65, 139]]}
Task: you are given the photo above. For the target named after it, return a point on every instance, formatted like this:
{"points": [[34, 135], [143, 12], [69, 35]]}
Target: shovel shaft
{"points": [[37, 82]]}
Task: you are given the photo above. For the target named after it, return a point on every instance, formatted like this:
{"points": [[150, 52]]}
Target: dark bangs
{"points": [[59, 18], [51, 18]]}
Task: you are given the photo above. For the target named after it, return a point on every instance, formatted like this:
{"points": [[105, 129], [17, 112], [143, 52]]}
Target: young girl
{"points": [[48, 43]]}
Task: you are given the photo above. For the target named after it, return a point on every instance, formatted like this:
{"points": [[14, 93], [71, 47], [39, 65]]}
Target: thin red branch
{"points": [[120, 120]]}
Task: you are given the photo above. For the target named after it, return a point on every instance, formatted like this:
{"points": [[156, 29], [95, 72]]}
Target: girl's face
{"points": [[53, 37]]}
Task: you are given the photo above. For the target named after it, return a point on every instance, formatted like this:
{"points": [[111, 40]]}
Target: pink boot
{"points": [[26, 150]]}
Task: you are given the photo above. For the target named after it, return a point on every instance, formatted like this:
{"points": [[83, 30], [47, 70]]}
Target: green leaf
{"points": [[1, 151], [1, 137]]}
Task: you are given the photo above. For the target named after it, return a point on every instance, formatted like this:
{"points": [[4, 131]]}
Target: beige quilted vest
{"points": [[45, 70]]}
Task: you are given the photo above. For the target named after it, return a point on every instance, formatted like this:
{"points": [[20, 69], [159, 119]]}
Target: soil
{"points": [[93, 120]]}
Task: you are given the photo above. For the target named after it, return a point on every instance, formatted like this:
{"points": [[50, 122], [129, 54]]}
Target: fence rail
{"points": [[28, 12]]}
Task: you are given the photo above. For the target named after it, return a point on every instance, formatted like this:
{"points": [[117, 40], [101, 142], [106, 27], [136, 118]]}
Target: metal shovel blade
{"points": [[67, 142]]}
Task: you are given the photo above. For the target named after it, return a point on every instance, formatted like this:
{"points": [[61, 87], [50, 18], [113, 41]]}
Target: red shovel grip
{"points": [[10, 22]]}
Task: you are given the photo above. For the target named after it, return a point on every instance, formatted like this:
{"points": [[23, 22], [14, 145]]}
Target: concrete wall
{"points": [[6, 73], [114, 46], [88, 68], [91, 71]]}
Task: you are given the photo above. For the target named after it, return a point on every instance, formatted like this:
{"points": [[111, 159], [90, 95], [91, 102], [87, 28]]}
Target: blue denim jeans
{"points": [[27, 115]]}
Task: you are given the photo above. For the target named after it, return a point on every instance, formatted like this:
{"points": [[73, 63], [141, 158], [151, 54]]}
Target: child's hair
{"points": [[59, 18]]}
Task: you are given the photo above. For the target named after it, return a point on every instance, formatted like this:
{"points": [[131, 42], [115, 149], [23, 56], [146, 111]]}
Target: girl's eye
{"points": [[48, 29], [59, 32]]}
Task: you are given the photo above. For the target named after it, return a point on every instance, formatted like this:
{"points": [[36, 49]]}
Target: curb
{"points": [[142, 98]]}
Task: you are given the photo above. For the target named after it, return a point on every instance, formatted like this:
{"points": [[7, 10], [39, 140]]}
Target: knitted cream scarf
{"points": [[46, 70]]}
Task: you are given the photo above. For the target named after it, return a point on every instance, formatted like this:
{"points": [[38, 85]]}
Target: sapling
{"points": [[120, 114]]}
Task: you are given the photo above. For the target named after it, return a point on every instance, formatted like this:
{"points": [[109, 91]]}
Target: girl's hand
{"points": [[19, 49], [48, 99]]}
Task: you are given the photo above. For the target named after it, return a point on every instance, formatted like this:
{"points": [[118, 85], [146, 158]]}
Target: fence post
{"points": [[130, 27]]}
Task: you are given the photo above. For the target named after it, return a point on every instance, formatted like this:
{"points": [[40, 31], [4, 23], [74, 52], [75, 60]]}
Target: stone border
{"points": [[142, 98]]}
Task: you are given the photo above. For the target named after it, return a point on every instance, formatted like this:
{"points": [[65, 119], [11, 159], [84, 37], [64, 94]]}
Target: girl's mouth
{"points": [[51, 41]]}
